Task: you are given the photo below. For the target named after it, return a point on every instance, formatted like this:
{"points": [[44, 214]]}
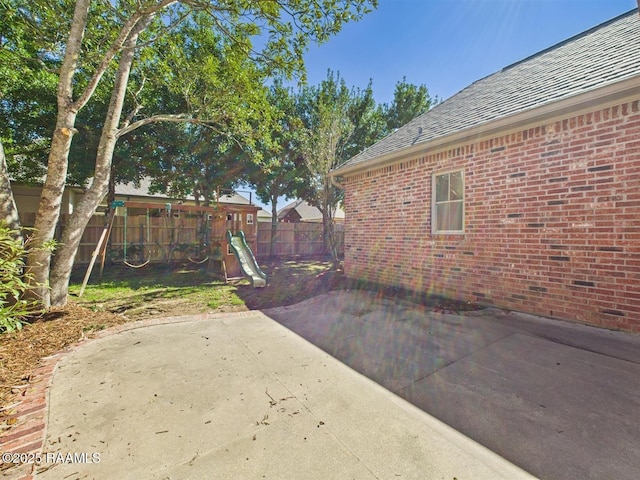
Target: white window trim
{"points": [[433, 203], [249, 218]]}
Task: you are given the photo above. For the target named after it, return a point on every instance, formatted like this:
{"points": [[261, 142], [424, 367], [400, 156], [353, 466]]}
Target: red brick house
{"points": [[522, 190]]}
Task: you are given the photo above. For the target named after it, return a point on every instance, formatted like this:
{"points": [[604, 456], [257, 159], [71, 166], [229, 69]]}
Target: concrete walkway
{"points": [[239, 396]]}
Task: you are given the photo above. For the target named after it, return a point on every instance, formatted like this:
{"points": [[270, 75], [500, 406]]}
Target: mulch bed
{"points": [[21, 351]]}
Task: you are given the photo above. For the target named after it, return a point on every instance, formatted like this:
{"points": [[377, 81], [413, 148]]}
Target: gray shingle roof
{"points": [[603, 55], [129, 189]]}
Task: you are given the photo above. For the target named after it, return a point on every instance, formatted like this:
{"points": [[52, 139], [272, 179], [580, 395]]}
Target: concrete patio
{"points": [[486, 394]]}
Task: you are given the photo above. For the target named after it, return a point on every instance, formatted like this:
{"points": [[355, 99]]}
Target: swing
{"points": [[198, 262], [204, 231], [125, 241]]}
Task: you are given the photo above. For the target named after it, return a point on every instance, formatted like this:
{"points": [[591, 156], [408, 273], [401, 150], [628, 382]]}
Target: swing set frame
{"points": [[209, 237], [167, 210]]}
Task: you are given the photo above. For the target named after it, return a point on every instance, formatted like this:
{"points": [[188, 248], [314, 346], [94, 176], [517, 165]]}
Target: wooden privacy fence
{"points": [[174, 239], [157, 239], [296, 239]]}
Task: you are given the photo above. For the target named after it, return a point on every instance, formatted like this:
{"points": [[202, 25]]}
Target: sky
{"points": [[448, 44]]}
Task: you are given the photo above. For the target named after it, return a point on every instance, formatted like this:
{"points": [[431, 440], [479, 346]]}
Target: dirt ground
{"points": [[290, 282]]}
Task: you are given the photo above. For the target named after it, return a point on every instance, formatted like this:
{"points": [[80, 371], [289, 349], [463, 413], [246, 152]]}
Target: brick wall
{"points": [[552, 221]]}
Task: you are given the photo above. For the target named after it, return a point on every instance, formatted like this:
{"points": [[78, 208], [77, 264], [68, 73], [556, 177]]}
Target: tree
{"points": [[226, 88], [60, 146], [196, 162], [27, 91], [275, 175], [288, 25], [368, 120], [29, 60], [409, 101], [325, 113]]}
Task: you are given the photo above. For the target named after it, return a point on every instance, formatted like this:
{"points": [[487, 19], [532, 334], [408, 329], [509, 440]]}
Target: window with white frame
{"points": [[249, 218], [448, 202]]}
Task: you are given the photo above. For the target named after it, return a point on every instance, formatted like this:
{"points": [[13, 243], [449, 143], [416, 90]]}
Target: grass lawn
{"points": [[181, 289]]}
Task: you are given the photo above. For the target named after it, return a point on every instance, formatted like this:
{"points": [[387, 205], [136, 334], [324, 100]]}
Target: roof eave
{"points": [[574, 104]]}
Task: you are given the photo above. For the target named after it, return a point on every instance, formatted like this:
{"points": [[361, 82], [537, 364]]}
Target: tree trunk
{"points": [[330, 239], [7, 204], [328, 212], [332, 242], [38, 261], [64, 259], [111, 192], [274, 223]]}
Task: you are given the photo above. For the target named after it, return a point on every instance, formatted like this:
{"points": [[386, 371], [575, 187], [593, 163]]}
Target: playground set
{"points": [[221, 238]]}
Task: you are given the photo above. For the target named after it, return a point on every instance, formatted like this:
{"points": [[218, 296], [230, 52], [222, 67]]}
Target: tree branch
{"points": [[138, 106], [168, 117], [116, 47]]}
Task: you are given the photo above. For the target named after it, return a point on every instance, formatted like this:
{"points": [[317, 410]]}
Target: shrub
{"points": [[15, 308]]}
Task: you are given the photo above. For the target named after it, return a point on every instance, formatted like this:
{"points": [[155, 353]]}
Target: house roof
{"points": [[263, 215], [129, 189], [604, 55], [284, 211], [307, 212]]}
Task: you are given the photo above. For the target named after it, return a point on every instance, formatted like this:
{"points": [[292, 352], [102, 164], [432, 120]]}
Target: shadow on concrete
{"points": [[556, 398]]}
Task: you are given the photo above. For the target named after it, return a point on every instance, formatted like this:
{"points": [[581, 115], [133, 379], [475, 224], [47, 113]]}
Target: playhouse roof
{"points": [[606, 55]]}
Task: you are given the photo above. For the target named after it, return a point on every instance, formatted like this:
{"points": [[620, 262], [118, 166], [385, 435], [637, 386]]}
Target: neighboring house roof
{"points": [[306, 212], [284, 211], [263, 215], [602, 56], [129, 189]]}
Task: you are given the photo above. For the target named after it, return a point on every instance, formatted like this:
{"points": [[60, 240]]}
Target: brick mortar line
{"points": [[31, 426]]}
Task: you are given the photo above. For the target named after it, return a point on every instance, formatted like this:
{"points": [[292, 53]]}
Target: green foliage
{"points": [[409, 101], [202, 59], [276, 174], [324, 111], [368, 120], [14, 306], [320, 127], [27, 90], [33, 40]]}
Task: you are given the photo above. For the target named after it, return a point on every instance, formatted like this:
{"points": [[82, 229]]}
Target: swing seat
{"points": [[136, 266], [198, 262]]}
